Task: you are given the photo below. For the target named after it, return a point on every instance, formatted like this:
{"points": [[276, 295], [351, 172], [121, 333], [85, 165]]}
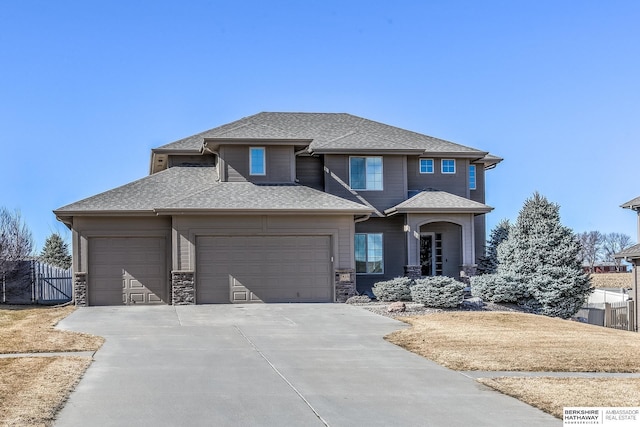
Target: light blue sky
{"points": [[87, 88]]}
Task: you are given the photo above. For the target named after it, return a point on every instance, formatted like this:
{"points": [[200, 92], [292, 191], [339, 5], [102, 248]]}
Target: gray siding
{"points": [[451, 183], [310, 172], [394, 170], [480, 227], [279, 163], [478, 194], [394, 249], [187, 228]]}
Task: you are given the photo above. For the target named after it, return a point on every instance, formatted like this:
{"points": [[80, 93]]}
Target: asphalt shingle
{"points": [[431, 200], [196, 188], [327, 132]]}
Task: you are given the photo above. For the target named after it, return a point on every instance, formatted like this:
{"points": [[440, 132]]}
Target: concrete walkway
{"points": [[270, 365]]}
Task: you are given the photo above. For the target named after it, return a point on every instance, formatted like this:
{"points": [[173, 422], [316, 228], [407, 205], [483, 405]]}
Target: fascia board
{"points": [[441, 210], [235, 211]]}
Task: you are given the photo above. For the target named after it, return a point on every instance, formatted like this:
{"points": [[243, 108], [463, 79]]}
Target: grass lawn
{"points": [[33, 389], [501, 341]]}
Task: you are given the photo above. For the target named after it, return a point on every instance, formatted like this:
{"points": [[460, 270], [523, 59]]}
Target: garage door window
{"points": [[368, 248]]}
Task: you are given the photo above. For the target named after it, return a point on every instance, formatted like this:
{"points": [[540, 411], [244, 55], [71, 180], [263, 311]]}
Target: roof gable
{"points": [[432, 200]]}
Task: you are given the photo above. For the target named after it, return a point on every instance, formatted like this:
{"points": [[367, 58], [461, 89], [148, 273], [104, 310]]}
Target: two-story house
{"points": [[282, 207], [632, 255]]}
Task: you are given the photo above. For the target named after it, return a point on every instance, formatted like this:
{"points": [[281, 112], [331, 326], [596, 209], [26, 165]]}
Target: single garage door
{"points": [[127, 270], [264, 269]]}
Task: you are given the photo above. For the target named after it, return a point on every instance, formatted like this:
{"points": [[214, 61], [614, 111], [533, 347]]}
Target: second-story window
{"points": [[257, 161], [365, 173], [448, 166], [472, 177], [426, 165]]}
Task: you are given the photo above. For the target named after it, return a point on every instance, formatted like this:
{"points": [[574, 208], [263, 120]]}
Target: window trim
{"points": [[420, 166], [264, 161], [365, 173], [442, 166], [366, 250], [473, 177]]}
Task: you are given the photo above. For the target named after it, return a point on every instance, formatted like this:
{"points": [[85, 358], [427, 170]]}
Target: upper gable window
{"points": [[365, 173], [448, 166], [426, 165], [472, 177], [257, 161]]}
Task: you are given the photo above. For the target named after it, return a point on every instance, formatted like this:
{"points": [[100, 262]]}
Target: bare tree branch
{"points": [[614, 243], [16, 240], [591, 243]]}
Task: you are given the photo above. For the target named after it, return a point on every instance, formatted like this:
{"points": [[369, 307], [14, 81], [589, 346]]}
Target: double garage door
{"points": [[263, 269], [133, 270], [127, 270]]}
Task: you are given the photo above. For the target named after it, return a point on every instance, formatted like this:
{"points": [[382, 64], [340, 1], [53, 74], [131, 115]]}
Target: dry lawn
{"points": [[28, 329], [501, 341], [612, 280], [33, 389], [552, 394]]}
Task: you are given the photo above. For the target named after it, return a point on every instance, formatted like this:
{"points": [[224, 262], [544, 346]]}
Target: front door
{"points": [[426, 254], [431, 254]]}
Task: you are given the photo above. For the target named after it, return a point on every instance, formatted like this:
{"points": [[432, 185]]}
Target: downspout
{"points": [[215, 153], [362, 218]]}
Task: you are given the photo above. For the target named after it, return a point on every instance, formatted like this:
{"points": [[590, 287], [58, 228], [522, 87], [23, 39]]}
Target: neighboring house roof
{"points": [[431, 201], [325, 133], [632, 252], [632, 204], [195, 189]]}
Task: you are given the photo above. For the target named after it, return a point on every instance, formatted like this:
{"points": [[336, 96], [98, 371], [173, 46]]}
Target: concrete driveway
{"points": [[270, 365]]}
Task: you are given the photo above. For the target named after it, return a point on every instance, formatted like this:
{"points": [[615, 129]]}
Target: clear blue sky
{"points": [[87, 88]]}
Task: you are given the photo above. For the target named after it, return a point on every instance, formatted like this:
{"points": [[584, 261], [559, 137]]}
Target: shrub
{"points": [[496, 288], [398, 289], [358, 299], [438, 292]]}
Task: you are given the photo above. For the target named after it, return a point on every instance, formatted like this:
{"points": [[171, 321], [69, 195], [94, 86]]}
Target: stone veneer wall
{"points": [[80, 289], [183, 287], [413, 271], [345, 284]]}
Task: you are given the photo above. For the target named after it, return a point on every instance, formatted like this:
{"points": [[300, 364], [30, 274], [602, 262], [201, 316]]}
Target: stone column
{"points": [[413, 271], [345, 284], [80, 289], [183, 287]]}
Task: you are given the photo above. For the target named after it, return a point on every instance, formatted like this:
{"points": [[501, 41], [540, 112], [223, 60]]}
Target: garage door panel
{"points": [[264, 268], [127, 270]]}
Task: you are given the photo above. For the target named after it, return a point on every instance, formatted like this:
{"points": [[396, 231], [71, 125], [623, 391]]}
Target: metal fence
{"points": [[34, 282], [617, 315]]}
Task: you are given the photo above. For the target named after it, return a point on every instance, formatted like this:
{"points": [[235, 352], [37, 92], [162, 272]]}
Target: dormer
{"points": [[257, 160]]}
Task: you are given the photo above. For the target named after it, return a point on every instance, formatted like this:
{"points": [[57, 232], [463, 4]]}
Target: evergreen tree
{"points": [[489, 262], [542, 258], [56, 252]]}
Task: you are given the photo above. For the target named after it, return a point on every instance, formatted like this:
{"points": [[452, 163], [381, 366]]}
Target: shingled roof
{"points": [[195, 189], [430, 201], [324, 133], [630, 253], [632, 204]]}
